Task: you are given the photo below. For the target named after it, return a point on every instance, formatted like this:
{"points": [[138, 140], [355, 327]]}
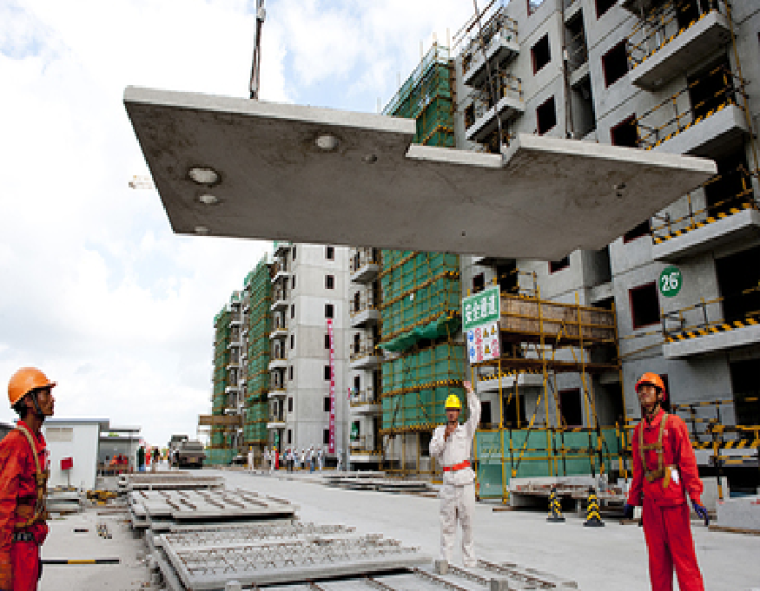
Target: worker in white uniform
{"points": [[452, 446]]}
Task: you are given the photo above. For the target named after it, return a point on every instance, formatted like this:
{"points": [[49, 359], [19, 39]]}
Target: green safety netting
{"points": [[445, 325]]}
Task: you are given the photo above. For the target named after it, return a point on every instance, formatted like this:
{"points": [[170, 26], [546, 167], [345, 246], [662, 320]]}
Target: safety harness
{"points": [[41, 478], [660, 472]]}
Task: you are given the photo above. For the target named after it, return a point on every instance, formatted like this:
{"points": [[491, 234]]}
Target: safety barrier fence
{"points": [[676, 114], [707, 317], [362, 301], [363, 256], [663, 24], [495, 24], [503, 454], [362, 397], [366, 348], [505, 85]]}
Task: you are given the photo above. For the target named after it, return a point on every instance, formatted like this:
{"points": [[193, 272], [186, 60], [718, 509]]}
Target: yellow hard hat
{"points": [[453, 402]]}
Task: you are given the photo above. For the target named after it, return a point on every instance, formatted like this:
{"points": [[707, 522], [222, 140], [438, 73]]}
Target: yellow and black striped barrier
{"points": [[593, 518], [555, 508], [709, 330]]}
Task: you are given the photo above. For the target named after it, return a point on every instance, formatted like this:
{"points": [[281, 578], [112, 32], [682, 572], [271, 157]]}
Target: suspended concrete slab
{"points": [[315, 175]]}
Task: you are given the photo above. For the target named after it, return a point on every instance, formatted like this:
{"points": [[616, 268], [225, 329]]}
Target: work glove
{"points": [[701, 512], [627, 511]]}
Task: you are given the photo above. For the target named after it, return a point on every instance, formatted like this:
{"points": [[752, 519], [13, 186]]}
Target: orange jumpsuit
{"points": [[666, 516], [19, 560]]}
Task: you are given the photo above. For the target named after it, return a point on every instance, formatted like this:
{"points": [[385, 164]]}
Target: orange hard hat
{"points": [[24, 381], [654, 380]]}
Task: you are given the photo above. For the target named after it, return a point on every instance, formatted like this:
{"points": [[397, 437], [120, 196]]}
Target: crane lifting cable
{"points": [[261, 14]]}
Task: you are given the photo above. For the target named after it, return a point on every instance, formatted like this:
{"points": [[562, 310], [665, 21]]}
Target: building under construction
{"points": [[678, 294]]}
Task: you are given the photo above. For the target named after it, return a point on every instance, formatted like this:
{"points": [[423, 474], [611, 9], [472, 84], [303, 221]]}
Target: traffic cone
{"points": [[555, 509], [593, 519]]}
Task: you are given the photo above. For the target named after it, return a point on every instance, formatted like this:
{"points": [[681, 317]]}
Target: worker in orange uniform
{"points": [[664, 473], [23, 482], [451, 444]]}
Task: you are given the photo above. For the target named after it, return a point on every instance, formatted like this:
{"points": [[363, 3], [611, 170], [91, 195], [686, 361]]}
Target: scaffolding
{"points": [[259, 289], [419, 294], [428, 97], [543, 339], [220, 448]]}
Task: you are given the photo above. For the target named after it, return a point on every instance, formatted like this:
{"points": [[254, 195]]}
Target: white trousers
{"points": [[457, 502]]}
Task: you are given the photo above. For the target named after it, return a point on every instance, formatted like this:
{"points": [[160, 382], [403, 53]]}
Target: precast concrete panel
{"points": [[275, 181]]}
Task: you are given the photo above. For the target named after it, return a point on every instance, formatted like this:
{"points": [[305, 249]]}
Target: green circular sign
{"points": [[670, 281]]}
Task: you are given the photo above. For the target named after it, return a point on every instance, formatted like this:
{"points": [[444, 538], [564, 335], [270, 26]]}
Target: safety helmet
{"points": [[453, 402], [652, 379], [24, 381]]}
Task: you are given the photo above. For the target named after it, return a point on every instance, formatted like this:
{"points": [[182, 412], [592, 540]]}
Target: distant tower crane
{"points": [[255, 76]]}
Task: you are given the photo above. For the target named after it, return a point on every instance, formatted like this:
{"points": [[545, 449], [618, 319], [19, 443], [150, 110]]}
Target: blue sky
{"points": [[94, 288]]}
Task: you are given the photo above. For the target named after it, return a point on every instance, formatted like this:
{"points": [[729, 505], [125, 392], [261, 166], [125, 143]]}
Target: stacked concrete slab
{"points": [[167, 481]]}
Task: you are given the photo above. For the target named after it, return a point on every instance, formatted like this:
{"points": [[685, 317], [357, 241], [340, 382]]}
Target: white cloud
{"points": [[94, 288]]}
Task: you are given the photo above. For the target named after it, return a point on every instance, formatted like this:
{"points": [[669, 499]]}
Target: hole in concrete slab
{"points": [[327, 142], [203, 175], [370, 158]]}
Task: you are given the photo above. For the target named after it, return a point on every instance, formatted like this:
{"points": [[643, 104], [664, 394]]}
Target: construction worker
{"points": [[452, 446], [23, 481], [664, 473]]}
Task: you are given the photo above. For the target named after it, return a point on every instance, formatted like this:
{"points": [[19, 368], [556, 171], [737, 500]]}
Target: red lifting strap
{"points": [[455, 467]]}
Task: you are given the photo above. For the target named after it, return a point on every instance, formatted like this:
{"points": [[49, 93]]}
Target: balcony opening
{"points": [[357, 384], [485, 415], [290, 373], [540, 53], [584, 116], [329, 281], [615, 64], [327, 372], [292, 310], [425, 437], [732, 186], [329, 310], [326, 437], [738, 281], [688, 11], [357, 343], [326, 405], [506, 276], [478, 283], [640, 230], [602, 6], [625, 133], [330, 253], [711, 88], [546, 116], [356, 302], [294, 253], [292, 341], [575, 42], [645, 305], [555, 266], [514, 410], [571, 407], [469, 116], [290, 435], [293, 282], [746, 390], [327, 341], [601, 271], [290, 404]]}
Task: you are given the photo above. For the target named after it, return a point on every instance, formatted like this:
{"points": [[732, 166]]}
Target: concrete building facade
{"points": [[310, 287], [676, 77]]}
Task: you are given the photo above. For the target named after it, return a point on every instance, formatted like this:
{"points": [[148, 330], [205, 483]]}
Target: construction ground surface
{"points": [[604, 558]]}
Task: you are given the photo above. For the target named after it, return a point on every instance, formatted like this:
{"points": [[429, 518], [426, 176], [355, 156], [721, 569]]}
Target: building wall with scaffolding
{"points": [[420, 295], [258, 288], [675, 77]]}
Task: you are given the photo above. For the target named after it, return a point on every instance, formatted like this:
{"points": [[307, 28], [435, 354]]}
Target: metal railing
{"points": [[363, 256], [709, 315], [498, 25], [679, 115], [363, 350], [666, 226], [362, 397], [365, 301], [362, 446], [661, 25], [505, 84]]}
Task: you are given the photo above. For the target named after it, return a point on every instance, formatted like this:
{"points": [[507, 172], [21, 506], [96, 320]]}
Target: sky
{"points": [[95, 289]]}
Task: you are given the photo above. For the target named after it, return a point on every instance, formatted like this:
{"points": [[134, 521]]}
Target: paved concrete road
{"points": [[599, 559]]}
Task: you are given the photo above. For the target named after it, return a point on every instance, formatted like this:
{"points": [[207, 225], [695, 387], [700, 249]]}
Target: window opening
{"points": [[645, 305]]}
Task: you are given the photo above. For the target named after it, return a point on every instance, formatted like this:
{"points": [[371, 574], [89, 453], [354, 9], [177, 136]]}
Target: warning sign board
{"points": [[480, 321]]}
